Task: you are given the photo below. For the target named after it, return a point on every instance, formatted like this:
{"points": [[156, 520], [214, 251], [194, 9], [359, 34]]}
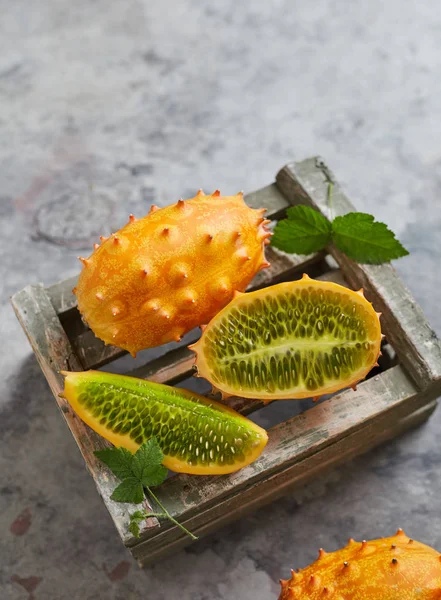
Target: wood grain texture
{"points": [[54, 353], [403, 321]]}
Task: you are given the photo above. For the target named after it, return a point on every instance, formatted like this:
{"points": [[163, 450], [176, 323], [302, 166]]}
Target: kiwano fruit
{"points": [[394, 568], [292, 340], [160, 276], [197, 435]]}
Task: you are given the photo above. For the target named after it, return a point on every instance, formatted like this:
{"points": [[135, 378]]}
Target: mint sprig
{"points": [[139, 472], [356, 234]]}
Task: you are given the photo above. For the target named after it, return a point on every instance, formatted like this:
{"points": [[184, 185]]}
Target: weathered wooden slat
{"points": [[378, 403], [266, 491], [61, 295], [269, 197], [54, 353], [407, 329]]}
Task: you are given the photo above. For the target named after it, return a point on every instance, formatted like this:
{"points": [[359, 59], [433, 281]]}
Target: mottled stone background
{"points": [[118, 104]]}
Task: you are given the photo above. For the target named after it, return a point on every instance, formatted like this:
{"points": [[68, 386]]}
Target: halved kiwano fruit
{"points": [[197, 435], [292, 340]]}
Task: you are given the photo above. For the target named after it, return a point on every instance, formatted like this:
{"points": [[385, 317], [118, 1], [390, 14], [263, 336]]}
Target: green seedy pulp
{"points": [[302, 340], [186, 429]]}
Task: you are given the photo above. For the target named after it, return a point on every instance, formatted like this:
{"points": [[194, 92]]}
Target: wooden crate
{"points": [[400, 395]]}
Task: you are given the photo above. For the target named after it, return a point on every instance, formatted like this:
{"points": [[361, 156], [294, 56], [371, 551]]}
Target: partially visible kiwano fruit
{"points": [[197, 435], [394, 568], [292, 340]]}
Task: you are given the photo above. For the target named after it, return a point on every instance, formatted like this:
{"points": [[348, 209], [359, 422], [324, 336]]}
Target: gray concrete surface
{"points": [[125, 103]]}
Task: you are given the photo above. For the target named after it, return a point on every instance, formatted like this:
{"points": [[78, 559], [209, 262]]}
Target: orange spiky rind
{"points": [[370, 572], [269, 383], [129, 269]]}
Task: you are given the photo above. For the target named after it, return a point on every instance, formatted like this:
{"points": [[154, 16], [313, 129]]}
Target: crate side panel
{"points": [[404, 322], [61, 295], [54, 353]]}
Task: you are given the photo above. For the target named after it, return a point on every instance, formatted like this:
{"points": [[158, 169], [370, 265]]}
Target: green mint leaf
{"points": [[118, 460], [365, 240], [303, 232], [134, 528], [154, 476], [147, 463], [130, 490], [138, 515]]}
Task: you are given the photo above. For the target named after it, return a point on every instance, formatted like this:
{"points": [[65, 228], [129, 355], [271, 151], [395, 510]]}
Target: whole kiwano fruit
{"points": [[394, 568], [162, 275]]}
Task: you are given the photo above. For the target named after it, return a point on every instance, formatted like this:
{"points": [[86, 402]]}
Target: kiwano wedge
{"points": [[197, 435], [292, 340], [160, 276], [394, 568]]}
